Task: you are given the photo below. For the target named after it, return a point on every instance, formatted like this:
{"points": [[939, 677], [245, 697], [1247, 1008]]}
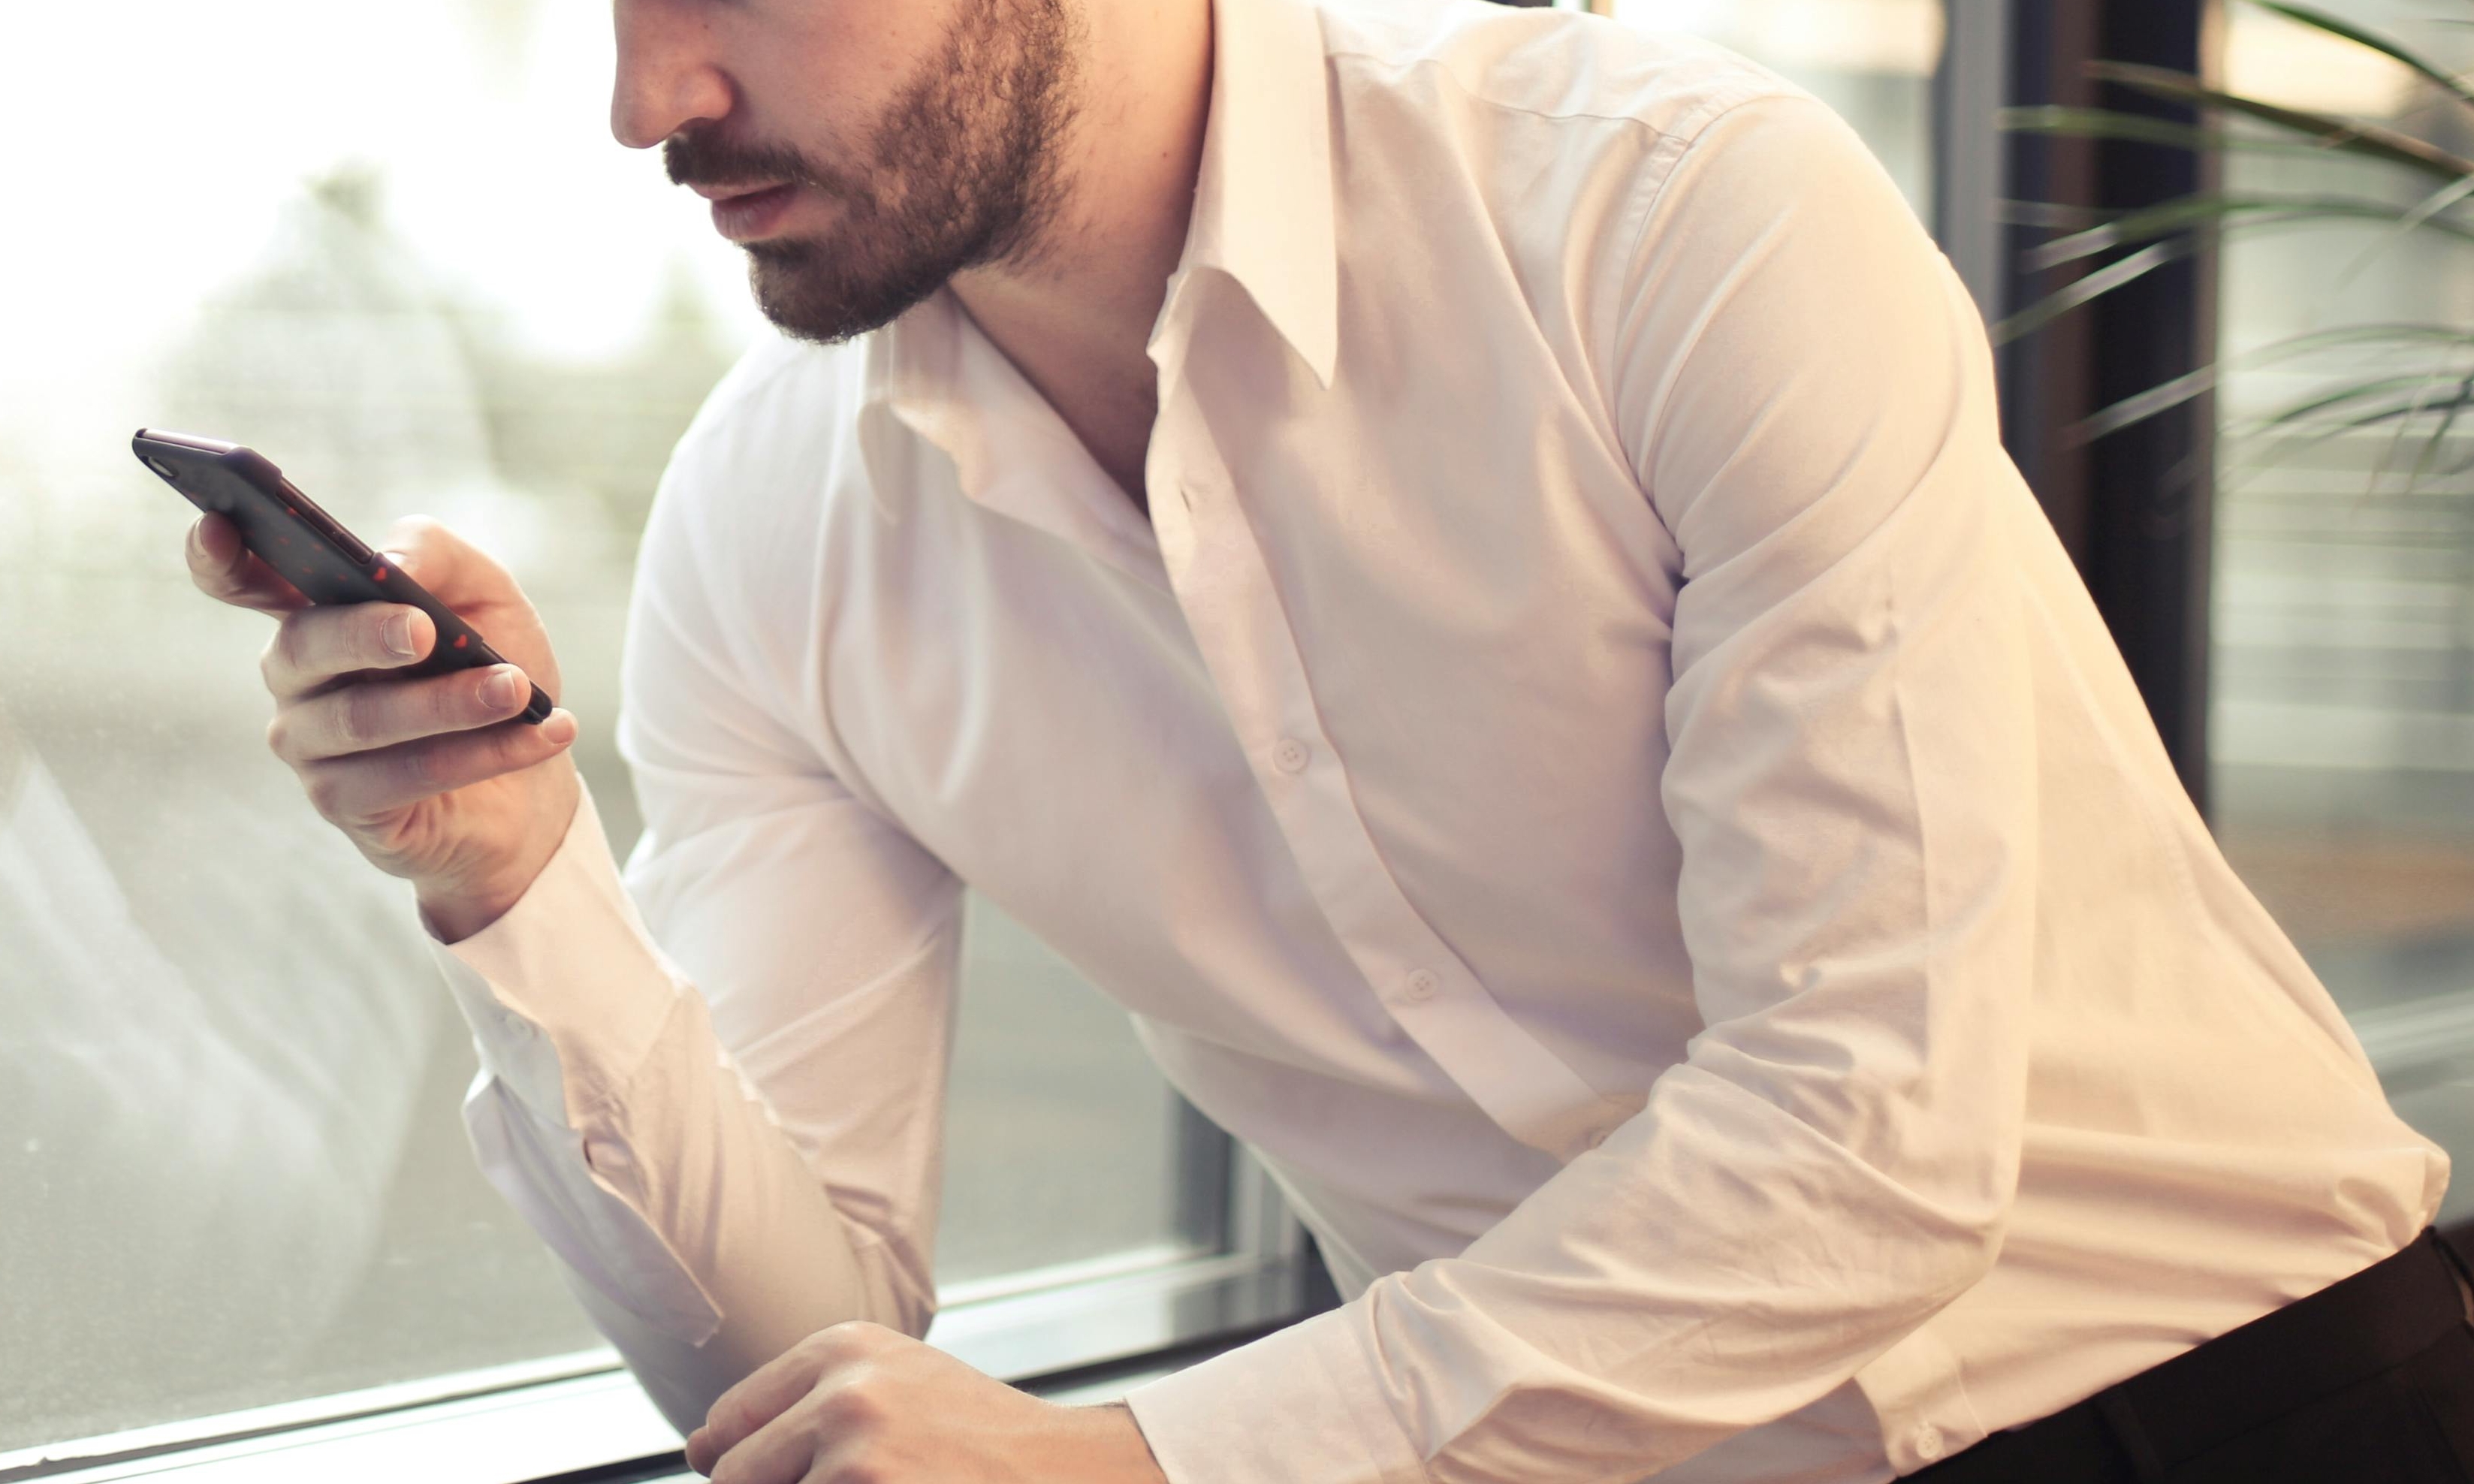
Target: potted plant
{"points": [[2419, 381]]}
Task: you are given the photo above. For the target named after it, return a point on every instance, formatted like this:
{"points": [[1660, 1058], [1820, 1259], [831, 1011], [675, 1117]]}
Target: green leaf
{"points": [[2422, 215], [2141, 128], [2326, 401], [2155, 402], [2358, 334], [2345, 136], [2160, 400], [2185, 212], [2104, 280], [2430, 446], [2321, 20]]}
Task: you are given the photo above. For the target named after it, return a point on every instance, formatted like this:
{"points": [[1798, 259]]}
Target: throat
{"points": [[1129, 478], [1115, 427]]}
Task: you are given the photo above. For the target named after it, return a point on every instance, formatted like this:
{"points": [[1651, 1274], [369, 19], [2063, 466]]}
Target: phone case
{"points": [[310, 548]]}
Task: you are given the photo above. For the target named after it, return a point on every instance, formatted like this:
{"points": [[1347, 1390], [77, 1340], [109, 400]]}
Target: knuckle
{"points": [[290, 651], [454, 706], [734, 1417], [353, 723], [822, 1344], [324, 787], [818, 1342], [854, 1407], [426, 769], [279, 735]]}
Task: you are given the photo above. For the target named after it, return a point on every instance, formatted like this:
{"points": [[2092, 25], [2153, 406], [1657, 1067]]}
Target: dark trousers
{"points": [[2371, 1379]]}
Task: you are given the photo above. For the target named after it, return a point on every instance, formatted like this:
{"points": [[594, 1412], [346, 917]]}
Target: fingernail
{"points": [[559, 730], [499, 690], [398, 635]]}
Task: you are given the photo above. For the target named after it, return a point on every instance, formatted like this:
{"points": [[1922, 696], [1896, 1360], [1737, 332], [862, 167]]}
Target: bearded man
{"points": [[1459, 563]]}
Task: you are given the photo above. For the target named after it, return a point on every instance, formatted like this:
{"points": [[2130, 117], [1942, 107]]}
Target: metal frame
{"points": [[565, 1414], [1970, 160], [2134, 508]]}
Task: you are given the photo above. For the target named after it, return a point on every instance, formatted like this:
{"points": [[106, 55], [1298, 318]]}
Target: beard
{"points": [[963, 170]]}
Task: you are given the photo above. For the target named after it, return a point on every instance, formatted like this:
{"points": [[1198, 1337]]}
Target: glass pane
{"points": [[231, 1168], [2342, 754], [1873, 60]]}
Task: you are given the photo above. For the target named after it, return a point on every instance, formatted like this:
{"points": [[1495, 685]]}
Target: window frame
{"points": [[583, 1411]]}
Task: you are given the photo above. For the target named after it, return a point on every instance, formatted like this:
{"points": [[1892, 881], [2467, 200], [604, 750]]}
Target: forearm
{"points": [[696, 1237], [608, 1116]]}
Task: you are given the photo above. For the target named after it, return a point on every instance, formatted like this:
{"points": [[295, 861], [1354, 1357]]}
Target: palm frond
{"points": [[2430, 446], [2105, 280], [2184, 213], [2160, 399], [2421, 216], [2143, 128], [2327, 401], [2351, 136]]}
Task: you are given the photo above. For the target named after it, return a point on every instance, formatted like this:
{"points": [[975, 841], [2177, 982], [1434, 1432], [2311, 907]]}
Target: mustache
{"points": [[706, 159]]}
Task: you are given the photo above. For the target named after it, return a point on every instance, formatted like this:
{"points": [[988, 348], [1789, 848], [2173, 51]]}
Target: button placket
{"points": [[1240, 627]]}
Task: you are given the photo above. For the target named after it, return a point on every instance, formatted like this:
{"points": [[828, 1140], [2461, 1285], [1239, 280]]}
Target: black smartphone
{"points": [[310, 548]]}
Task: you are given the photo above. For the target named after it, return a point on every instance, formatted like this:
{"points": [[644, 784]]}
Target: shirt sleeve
{"points": [[713, 1086], [1806, 396]]}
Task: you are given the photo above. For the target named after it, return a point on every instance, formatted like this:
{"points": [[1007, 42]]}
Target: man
{"points": [[1459, 563]]}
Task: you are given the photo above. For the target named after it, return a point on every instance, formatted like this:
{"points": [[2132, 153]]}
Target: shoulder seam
{"points": [[1700, 117], [1704, 121]]}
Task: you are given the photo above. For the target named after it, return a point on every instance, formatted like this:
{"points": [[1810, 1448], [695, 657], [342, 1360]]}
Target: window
{"points": [[234, 1173], [2342, 718]]}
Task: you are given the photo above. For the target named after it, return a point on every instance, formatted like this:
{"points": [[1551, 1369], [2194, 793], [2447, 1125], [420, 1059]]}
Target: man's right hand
{"points": [[433, 778]]}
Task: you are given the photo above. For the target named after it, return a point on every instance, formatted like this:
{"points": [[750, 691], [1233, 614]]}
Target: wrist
{"points": [[455, 916], [1120, 1454], [454, 910]]}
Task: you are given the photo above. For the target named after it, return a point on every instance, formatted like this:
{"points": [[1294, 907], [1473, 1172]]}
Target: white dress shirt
{"points": [[1595, 766]]}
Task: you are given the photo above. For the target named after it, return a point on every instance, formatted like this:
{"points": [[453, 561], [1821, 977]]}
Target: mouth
{"points": [[746, 214]]}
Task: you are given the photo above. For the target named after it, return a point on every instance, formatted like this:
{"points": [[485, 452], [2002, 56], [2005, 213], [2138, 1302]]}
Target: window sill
{"points": [[582, 1418]]}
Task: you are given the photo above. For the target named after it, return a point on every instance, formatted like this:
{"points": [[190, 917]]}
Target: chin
{"points": [[806, 288]]}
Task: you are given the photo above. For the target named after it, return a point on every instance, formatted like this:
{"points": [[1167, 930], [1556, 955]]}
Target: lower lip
{"points": [[746, 218]]}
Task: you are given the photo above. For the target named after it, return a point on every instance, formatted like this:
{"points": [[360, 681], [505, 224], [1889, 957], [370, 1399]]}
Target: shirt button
{"points": [[1421, 987], [1927, 1443], [1291, 755]]}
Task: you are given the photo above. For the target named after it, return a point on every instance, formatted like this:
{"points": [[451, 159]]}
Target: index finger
{"points": [[229, 571], [760, 1397]]}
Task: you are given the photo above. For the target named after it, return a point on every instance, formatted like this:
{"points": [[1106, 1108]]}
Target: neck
{"points": [[1074, 310]]}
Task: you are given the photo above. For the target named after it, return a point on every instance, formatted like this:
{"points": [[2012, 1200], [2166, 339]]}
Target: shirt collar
{"points": [[1263, 203], [1262, 207]]}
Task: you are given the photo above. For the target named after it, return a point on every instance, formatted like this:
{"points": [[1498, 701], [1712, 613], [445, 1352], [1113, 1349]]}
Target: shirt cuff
{"points": [[567, 991], [1306, 1402]]}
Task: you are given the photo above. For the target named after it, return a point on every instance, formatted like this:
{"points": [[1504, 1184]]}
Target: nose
{"points": [[668, 74]]}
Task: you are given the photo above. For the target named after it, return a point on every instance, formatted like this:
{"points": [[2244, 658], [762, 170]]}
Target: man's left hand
{"points": [[860, 1403]]}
